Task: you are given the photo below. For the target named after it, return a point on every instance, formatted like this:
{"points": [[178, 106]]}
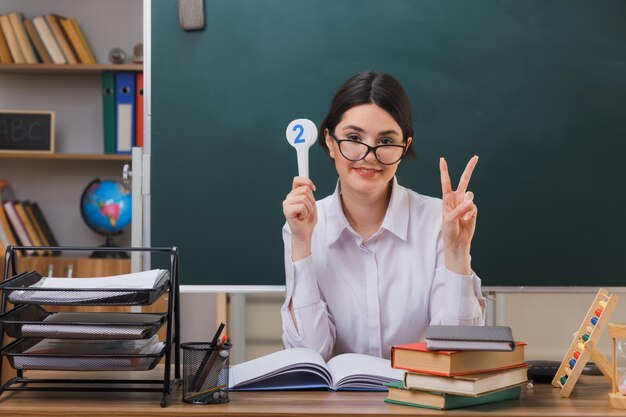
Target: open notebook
{"points": [[301, 368]]}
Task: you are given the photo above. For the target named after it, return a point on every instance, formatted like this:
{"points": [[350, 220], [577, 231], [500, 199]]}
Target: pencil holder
{"points": [[205, 372]]}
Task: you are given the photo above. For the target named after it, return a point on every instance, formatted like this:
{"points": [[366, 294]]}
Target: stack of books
{"points": [[22, 223], [484, 371], [48, 39]]}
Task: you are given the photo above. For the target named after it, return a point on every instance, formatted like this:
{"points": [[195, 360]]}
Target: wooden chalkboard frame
{"points": [[48, 139]]}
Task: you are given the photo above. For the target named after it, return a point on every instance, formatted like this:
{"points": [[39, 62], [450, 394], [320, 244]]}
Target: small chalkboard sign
{"points": [[26, 131]]}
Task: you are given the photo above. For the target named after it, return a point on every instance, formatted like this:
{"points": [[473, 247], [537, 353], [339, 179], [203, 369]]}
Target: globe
{"points": [[106, 207]]}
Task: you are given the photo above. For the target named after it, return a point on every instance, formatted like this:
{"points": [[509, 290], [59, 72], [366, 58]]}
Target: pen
{"points": [[204, 368]]}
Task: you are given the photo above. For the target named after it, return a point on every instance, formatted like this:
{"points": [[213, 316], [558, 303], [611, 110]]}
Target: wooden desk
{"points": [[589, 399]]}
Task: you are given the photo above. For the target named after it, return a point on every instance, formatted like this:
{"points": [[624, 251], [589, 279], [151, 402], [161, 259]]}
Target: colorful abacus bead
{"points": [[585, 337], [594, 320], [576, 354], [572, 363], [602, 303], [563, 379], [598, 312]]}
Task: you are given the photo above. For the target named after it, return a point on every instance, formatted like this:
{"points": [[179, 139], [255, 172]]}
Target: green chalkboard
{"points": [[536, 88]]}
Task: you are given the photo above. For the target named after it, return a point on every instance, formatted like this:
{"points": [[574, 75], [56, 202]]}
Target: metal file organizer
{"points": [[28, 313]]}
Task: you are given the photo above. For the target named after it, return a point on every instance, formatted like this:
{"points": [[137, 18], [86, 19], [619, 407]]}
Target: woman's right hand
{"points": [[301, 214]]}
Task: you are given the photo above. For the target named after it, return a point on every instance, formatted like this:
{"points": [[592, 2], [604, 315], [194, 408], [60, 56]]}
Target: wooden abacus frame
{"points": [[587, 349]]}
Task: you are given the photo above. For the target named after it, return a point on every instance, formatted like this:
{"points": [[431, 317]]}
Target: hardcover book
{"points": [[444, 401], [472, 384], [469, 338], [302, 368], [415, 357]]}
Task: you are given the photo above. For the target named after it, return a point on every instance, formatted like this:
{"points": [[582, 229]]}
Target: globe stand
{"points": [[109, 254]]}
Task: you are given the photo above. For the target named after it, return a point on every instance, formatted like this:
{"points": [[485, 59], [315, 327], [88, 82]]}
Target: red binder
{"points": [[139, 110]]}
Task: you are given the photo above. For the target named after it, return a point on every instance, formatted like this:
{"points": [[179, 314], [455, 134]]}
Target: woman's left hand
{"points": [[459, 218]]}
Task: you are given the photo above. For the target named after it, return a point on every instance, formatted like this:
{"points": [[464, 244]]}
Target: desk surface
{"points": [[589, 399]]}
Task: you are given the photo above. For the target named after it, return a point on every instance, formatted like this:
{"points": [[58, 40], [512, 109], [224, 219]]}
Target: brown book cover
{"points": [[77, 45], [5, 54], [33, 220], [415, 357], [14, 47], [54, 21], [4, 224], [17, 22], [83, 39], [28, 225], [37, 42], [19, 231]]}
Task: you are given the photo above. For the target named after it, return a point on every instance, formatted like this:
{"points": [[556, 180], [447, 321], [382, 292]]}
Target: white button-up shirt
{"points": [[364, 297]]}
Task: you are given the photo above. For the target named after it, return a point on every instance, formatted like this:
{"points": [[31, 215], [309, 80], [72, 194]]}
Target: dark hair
{"points": [[370, 87]]}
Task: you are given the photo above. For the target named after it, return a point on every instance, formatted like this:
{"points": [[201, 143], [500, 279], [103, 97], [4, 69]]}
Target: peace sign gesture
{"points": [[458, 218]]}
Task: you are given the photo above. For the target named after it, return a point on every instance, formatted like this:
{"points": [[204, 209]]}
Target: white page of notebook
{"points": [[144, 279], [348, 364], [269, 364]]}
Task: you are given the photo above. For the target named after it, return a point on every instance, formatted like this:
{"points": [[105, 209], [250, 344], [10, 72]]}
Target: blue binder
{"points": [[124, 112]]}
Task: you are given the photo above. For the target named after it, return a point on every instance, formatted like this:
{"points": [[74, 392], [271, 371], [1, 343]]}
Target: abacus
{"points": [[583, 347]]}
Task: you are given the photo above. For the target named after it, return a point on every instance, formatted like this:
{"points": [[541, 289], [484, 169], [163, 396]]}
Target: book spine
{"points": [[17, 22], [4, 224], [83, 39], [49, 41], [55, 26], [5, 54], [18, 227], [37, 42], [14, 47], [75, 41]]}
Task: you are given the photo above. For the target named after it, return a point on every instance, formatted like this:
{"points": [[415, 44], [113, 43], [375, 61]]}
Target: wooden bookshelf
{"points": [[66, 156], [66, 68]]}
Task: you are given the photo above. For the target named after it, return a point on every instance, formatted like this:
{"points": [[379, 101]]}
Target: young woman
{"points": [[374, 264]]}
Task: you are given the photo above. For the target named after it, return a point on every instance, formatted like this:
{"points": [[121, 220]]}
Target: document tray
{"points": [[23, 289], [18, 357], [31, 320]]}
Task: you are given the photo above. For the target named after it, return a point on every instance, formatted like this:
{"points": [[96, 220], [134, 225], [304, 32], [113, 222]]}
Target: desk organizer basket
{"points": [[89, 340], [16, 354], [23, 289], [32, 320]]}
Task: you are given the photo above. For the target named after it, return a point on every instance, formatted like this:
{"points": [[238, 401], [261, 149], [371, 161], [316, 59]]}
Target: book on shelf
{"points": [[5, 54], [40, 48], [398, 394], [19, 231], [6, 232], [302, 368], [14, 47], [17, 22], [415, 357], [28, 209], [54, 21], [472, 384], [43, 224], [91, 58], [49, 41], [74, 40], [28, 226], [469, 338]]}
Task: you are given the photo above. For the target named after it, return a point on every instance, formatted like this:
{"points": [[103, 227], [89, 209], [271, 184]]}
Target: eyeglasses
{"points": [[355, 151]]}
